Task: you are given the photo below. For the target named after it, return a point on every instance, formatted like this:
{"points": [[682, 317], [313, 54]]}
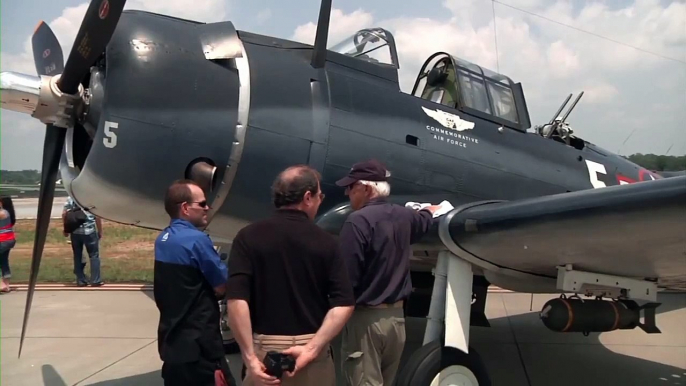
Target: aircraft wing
{"points": [[634, 230], [672, 174]]}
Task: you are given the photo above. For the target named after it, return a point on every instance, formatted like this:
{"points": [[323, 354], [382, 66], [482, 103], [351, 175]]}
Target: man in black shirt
{"points": [[288, 290], [375, 244], [189, 279]]}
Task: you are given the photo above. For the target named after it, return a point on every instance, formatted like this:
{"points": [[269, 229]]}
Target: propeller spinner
{"points": [[51, 98]]}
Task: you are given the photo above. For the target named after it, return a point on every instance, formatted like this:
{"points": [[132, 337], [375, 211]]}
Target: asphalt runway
{"points": [[27, 208], [108, 338]]}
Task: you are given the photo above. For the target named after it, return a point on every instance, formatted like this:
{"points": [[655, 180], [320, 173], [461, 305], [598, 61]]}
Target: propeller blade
{"points": [[52, 151], [47, 52], [95, 33]]}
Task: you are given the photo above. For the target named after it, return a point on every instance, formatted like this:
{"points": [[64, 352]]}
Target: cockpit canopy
{"points": [[472, 89], [375, 45]]}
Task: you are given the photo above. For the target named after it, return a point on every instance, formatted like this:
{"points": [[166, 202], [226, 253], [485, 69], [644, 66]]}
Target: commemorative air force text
{"points": [[451, 133]]}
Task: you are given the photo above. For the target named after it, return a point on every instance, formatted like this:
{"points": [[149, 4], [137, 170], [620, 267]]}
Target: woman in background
{"points": [[7, 240]]}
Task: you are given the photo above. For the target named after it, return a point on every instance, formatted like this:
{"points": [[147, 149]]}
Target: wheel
{"points": [[436, 365]]}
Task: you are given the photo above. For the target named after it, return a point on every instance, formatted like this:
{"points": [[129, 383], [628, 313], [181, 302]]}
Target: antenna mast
{"points": [[319, 51]]}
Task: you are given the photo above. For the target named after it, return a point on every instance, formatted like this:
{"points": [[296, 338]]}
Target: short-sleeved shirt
{"points": [[375, 243], [7, 235], [87, 227], [289, 271], [187, 269]]}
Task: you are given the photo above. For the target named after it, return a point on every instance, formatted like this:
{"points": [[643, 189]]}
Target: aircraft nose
{"points": [[160, 110]]}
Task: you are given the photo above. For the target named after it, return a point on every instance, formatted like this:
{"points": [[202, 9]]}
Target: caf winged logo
{"points": [[448, 120]]}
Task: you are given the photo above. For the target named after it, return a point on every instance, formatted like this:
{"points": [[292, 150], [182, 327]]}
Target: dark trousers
{"points": [[91, 242], [200, 373], [5, 248]]}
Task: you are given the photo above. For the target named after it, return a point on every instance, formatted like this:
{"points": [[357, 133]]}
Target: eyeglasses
{"points": [[351, 186], [202, 204]]}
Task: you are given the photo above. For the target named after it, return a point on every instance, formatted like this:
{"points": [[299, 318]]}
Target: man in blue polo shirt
{"points": [[190, 278]]}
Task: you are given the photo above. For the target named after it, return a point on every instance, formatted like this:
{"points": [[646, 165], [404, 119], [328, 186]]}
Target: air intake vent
{"points": [[202, 171]]}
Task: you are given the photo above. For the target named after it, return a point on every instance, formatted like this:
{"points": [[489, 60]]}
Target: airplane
{"points": [[145, 99]]}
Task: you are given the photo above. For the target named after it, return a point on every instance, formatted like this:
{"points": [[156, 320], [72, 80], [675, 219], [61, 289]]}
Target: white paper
{"points": [[445, 207]]}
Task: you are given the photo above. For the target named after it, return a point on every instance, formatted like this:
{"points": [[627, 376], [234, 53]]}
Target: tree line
{"points": [[19, 177], [659, 163], [648, 161]]}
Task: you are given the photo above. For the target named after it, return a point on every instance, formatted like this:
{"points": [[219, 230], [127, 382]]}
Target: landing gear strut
{"points": [[446, 358]]}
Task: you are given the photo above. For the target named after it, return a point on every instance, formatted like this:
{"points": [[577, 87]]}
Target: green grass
{"points": [[58, 268], [126, 254]]}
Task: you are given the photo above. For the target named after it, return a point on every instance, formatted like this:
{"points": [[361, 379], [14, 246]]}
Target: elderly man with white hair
{"points": [[375, 245]]}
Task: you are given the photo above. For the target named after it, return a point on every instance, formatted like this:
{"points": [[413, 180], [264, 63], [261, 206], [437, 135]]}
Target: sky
{"points": [[629, 57]]}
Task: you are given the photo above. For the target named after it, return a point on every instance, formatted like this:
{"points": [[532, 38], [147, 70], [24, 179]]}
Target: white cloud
{"points": [[21, 62], [340, 26], [599, 92], [645, 24], [264, 15], [551, 60], [563, 61], [22, 141], [198, 10], [67, 25]]}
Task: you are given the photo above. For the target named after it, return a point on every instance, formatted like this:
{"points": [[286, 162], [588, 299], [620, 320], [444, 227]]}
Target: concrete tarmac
{"points": [[108, 338], [27, 208]]}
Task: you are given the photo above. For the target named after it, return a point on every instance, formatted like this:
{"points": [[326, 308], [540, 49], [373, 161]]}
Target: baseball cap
{"points": [[370, 170]]}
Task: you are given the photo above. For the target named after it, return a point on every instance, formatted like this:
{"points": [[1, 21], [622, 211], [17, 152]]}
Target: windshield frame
{"points": [[382, 34], [485, 76]]}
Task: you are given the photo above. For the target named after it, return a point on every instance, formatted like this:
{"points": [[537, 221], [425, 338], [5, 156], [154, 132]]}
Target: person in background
{"points": [[88, 235], [288, 290], [375, 244], [7, 240], [190, 279]]}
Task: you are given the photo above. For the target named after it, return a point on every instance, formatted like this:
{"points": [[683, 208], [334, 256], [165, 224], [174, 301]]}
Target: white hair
{"points": [[381, 188]]}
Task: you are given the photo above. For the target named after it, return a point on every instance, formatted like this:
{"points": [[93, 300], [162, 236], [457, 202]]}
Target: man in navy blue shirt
{"points": [[376, 244], [190, 278]]}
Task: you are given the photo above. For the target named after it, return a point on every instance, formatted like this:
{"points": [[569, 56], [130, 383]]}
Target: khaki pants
{"points": [[372, 343], [320, 371]]}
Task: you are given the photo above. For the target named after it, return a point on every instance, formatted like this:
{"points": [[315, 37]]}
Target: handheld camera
{"points": [[277, 363]]}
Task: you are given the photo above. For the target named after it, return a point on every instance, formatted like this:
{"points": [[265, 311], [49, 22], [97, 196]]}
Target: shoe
{"points": [[81, 284], [98, 284]]}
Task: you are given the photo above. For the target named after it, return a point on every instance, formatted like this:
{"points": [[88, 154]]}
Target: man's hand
{"points": [[433, 208], [256, 370], [334, 321], [303, 356]]}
